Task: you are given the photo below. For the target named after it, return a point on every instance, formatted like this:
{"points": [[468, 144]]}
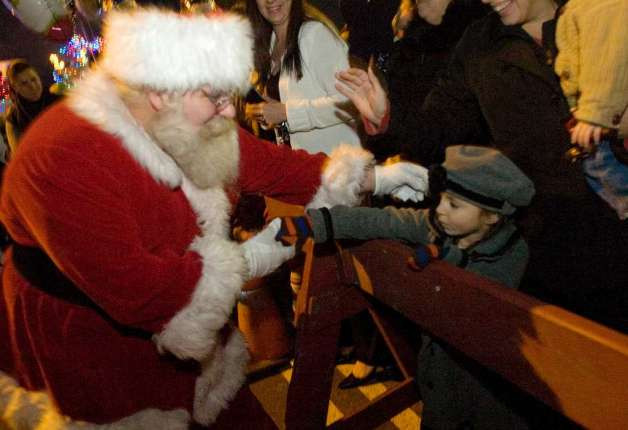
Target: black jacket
{"points": [[499, 89], [419, 59]]}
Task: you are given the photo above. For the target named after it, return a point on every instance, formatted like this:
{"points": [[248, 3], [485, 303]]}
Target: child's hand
{"points": [[583, 132], [295, 230]]}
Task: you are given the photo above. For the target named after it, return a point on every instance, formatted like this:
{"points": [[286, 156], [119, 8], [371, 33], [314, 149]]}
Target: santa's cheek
{"points": [[200, 115], [228, 112]]}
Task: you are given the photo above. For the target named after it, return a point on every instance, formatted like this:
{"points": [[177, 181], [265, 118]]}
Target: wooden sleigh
{"points": [[575, 366]]}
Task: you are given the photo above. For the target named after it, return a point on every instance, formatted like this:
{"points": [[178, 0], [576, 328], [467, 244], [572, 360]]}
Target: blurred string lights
{"points": [[4, 94], [58, 19], [72, 60], [74, 56]]}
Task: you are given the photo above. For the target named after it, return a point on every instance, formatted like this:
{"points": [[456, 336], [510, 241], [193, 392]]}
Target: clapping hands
{"points": [[365, 92]]}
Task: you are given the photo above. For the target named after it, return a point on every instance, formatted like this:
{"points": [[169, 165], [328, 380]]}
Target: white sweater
{"points": [[319, 117]]}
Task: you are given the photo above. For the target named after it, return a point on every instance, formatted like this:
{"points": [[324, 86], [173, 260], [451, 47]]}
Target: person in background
{"points": [[297, 53], [592, 64], [122, 277], [427, 32], [431, 29], [28, 100], [370, 34], [500, 88], [471, 227]]}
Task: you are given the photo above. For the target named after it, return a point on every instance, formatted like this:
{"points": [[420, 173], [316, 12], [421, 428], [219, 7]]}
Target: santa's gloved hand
{"points": [[405, 193], [392, 176], [263, 253]]}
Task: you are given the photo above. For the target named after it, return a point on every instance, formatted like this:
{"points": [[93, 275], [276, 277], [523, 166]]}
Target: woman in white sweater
{"points": [[297, 53]]}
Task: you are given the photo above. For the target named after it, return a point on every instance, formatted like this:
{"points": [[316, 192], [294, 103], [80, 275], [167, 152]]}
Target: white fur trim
{"points": [[146, 419], [222, 376], [168, 51], [193, 331], [96, 100], [23, 409], [342, 178], [212, 208]]}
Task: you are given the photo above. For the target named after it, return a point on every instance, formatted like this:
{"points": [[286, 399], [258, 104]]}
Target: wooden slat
{"points": [[574, 365], [324, 300], [380, 409]]}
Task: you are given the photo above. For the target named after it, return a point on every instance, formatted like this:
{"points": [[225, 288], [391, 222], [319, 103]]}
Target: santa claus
{"points": [[122, 279]]}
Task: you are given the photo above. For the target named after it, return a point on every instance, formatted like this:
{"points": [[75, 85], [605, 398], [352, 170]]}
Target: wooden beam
{"points": [[574, 365], [325, 299]]}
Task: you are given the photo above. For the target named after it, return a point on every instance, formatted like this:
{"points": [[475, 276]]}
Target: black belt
{"points": [[40, 271]]}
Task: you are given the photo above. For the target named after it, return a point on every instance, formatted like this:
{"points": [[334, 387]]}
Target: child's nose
{"points": [[440, 209]]}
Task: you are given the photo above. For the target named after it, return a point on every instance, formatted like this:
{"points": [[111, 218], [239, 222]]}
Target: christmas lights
{"points": [[72, 59]]}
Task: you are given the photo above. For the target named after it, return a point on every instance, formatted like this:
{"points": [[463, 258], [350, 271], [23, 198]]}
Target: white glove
{"points": [[405, 193], [263, 253], [392, 176]]}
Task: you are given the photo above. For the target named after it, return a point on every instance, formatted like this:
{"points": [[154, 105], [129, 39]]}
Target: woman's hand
{"points": [[269, 112], [365, 91], [274, 111]]}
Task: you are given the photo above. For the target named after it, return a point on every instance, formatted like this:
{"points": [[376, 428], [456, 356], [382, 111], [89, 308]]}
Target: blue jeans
{"points": [[608, 177]]}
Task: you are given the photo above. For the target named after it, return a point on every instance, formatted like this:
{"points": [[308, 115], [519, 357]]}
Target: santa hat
{"points": [[168, 51]]}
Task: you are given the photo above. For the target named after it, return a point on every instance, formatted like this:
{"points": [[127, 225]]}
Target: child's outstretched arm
{"points": [[341, 222]]}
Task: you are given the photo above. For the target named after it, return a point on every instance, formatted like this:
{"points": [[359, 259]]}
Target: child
{"points": [[474, 229], [592, 63]]}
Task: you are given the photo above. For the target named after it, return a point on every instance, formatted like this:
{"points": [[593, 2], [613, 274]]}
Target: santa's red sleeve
{"points": [[298, 177]]}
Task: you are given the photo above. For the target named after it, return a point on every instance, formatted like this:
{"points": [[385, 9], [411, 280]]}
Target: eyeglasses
{"points": [[219, 99]]}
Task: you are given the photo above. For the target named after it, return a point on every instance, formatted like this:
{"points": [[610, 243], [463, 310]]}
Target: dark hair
{"points": [[300, 12]]}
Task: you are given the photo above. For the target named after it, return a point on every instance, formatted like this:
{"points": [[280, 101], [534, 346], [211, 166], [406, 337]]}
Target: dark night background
{"points": [[17, 41]]}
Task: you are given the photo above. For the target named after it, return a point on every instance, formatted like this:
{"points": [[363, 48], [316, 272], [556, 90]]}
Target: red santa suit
{"points": [[119, 219]]}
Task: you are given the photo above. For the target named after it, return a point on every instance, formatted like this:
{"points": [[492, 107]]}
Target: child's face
{"points": [[457, 217]]}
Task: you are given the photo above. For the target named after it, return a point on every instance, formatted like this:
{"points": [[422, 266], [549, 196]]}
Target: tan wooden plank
{"points": [[577, 366]]}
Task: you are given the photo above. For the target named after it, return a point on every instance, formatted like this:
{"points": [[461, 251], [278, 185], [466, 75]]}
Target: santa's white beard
{"points": [[208, 156]]}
